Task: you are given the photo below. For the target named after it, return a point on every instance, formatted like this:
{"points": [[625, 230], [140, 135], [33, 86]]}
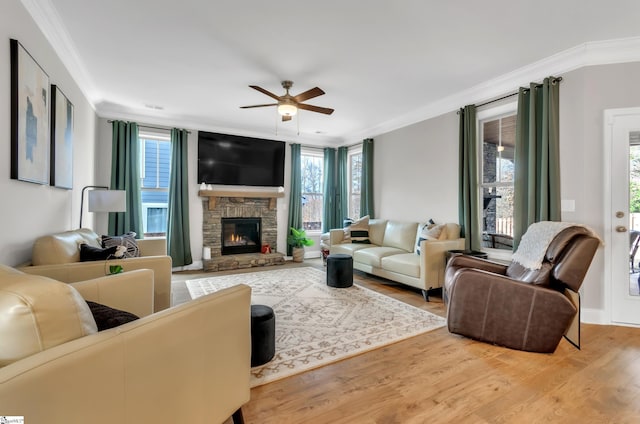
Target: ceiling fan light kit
{"points": [[287, 109], [288, 105]]}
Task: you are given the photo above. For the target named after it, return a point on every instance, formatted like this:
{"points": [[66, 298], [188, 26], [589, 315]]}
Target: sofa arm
{"points": [[190, 363], [336, 236], [80, 271], [130, 291], [432, 260], [152, 246]]}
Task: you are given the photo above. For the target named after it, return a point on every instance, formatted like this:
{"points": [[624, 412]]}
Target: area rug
{"points": [[316, 324]]}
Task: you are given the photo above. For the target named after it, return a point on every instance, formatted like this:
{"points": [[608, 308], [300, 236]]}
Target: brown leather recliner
{"points": [[518, 307]]}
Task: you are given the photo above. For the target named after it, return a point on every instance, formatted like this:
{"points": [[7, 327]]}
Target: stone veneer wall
{"points": [[237, 207]]}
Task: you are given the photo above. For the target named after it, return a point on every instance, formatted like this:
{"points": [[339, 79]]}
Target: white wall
{"points": [[416, 171], [30, 210]]}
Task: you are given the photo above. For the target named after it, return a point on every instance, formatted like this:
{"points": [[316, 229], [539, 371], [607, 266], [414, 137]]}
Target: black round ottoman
{"points": [[339, 271], [263, 334]]}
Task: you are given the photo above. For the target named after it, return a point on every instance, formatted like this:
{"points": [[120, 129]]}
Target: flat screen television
{"points": [[236, 160]]}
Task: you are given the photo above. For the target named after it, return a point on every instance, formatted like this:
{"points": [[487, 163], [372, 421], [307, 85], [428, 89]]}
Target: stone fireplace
{"points": [[220, 210], [241, 235]]}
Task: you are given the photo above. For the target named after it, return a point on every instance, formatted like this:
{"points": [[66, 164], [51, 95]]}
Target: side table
{"points": [[475, 253]]}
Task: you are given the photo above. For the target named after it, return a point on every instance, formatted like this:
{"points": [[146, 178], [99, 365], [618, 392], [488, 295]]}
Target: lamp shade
{"points": [[107, 201]]}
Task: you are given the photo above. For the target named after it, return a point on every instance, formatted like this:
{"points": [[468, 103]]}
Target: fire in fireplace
{"points": [[241, 235]]}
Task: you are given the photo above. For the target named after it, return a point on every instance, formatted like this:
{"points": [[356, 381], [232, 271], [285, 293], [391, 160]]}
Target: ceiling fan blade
{"points": [[325, 110], [286, 118], [263, 91], [309, 94], [249, 107]]}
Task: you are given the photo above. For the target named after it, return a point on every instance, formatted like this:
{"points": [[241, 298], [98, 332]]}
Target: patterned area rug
{"points": [[317, 324]]}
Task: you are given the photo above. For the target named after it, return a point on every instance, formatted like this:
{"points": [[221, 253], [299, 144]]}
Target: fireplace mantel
{"points": [[214, 194]]}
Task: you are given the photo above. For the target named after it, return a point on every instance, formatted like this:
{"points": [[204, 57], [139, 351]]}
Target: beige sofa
{"points": [[58, 256], [392, 252], [189, 363]]}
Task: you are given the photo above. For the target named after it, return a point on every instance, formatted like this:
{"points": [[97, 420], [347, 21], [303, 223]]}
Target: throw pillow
{"points": [[430, 231], [107, 317], [127, 240], [358, 231], [90, 253]]}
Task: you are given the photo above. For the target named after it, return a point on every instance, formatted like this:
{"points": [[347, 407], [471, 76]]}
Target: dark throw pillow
{"points": [[107, 317], [127, 240], [90, 253]]}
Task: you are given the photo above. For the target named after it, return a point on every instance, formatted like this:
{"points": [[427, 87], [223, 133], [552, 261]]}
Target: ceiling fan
{"points": [[288, 105]]}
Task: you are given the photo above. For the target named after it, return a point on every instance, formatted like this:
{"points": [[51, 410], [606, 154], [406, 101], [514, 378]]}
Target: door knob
{"points": [[621, 229]]}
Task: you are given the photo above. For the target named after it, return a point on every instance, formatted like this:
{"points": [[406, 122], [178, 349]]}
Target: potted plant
{"points": [[298, 240]]}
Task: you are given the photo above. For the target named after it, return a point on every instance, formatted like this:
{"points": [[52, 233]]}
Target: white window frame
{"points": [[352, 151], [486, 115], [304, 151], [150, 135]]}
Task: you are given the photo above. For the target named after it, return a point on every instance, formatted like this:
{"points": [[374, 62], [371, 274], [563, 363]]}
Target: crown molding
{"points": [[587, 54], [48, 20]]}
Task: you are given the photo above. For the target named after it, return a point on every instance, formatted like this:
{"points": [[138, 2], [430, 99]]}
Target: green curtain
{"points": [[366, 191], [329, 190], [178, 239], [537, 157], [468, 180], [342, 189], [295, 193], [125, 175]]}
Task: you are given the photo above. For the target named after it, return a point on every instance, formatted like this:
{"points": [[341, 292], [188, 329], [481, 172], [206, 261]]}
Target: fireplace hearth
{"points": [[241, 235]]}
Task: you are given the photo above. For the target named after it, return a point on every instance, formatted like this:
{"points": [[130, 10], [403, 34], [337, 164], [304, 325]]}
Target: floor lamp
{"points": [[101, 199]]}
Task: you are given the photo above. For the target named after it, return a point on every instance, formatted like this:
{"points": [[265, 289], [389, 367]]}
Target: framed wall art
{"points": [[61, 139], [30, 97]]}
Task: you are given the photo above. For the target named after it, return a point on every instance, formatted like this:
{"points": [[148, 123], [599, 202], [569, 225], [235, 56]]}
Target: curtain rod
{"points": [[149, 126], [555, 80]]}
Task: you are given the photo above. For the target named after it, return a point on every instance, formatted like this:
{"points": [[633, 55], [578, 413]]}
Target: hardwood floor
{"points": [[439, 377]]}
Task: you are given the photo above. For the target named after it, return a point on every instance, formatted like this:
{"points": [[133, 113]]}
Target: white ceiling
{"points": [[382, 64]]}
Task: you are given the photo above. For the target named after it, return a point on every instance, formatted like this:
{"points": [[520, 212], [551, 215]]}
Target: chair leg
{"points": [[237, 417]]}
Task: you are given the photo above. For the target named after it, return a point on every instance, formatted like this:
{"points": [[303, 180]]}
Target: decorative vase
{"points": [[298, 254]]}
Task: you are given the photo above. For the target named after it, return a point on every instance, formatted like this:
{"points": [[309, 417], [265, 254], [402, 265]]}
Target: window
{"points": [[312, 163], [355, 178], [155, 159], [497, 160]]}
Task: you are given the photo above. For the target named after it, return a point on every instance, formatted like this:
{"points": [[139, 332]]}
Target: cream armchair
{"points": [[189, 363], [57, 256]]}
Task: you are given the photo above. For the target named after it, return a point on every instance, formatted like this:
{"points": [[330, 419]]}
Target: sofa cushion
{"points": [[39, 313], [357, 231], [452, 231], [406, 264], [373, 255], [62, 248], [377, 228], [348, 248], [127, 240], [401, 235]]}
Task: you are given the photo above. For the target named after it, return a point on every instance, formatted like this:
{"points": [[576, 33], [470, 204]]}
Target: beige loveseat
{"points": [[392, 252], [58, 256], [186, 364]]}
